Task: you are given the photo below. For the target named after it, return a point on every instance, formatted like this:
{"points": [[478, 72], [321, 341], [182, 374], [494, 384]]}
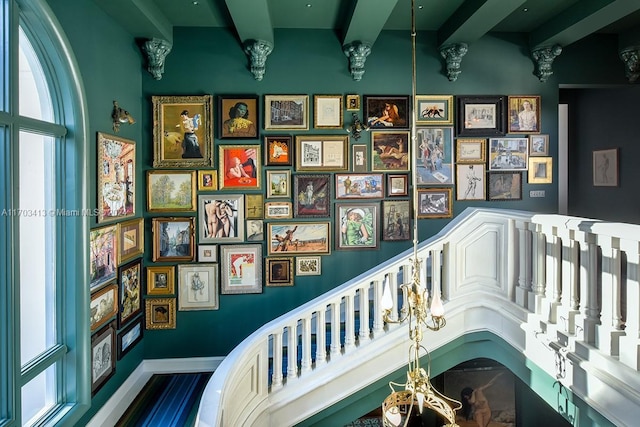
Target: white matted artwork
{"points": [[241, 269], [308, 266], [198, 287]]}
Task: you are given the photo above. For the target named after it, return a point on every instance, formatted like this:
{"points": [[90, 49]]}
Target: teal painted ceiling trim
{"points": [[367, 20], [141, 18], [252, 19]]}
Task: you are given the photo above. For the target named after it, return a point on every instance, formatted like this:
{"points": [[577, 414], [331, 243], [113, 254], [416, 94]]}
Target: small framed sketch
{"points": [[241, 269], [327, 112], [299, 238], [238, 116], [130, 336], [171, 191], [103, 245], [359, 158], [182, 131], [103, 306], [480, 115], [311, 195], [471, 150], [278, 210], [198, 287], [524, 114], [434, 109], [396, 219], [359, 186], [207, 180], [352, 102], [356, 226], [321, 153], [434, 153], [255, 230], [471, 181], [508, 154], [279, 271], [278, 150], [435, 203], [390, 151], [308, 265], [279, 183], [239, 167], [173, 238], [538, 145], [397, 185], [286, 112], [387, 112], [207, 253], [605, 168], [505, 186], [540, 170], [131, 239], [103, 356], [130, 299], [116, 177], [160, 313], [161, 280], [254, 206], [220, 218]]}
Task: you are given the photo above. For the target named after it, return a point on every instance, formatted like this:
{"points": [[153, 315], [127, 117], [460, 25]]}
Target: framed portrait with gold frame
{"points": [[161, 280], [352, 102], [207, 180], [524, 114], [160, 313], [279, 271], [238, 116]]}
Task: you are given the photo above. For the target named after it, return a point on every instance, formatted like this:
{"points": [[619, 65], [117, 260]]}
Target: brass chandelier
{"points": [[417, 391]]}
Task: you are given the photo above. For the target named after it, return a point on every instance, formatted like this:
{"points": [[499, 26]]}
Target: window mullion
{"points": [[36, 366]]}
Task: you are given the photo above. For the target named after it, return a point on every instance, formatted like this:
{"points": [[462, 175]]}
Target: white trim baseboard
{"points": [[115, 407]]}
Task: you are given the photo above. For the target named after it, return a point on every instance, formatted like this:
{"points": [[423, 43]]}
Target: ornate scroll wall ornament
{"points": [[631, 58], [544, 57], [357, 53], [156, 51], [453, 54], [258, 50]]}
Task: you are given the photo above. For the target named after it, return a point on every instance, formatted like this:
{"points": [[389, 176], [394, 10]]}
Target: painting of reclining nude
{"points": [[390, 151]]}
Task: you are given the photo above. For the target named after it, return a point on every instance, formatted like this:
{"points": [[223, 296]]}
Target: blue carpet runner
{"points": [[167, 400]]}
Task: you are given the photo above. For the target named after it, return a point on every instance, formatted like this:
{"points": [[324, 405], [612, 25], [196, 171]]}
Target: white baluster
{"points": [[364, 315], [378, 323], [349, 323], [630, 343], [524, 265], [305, 364], [292, 353], [609, 330], [335, 330], [276, 377], [321, 336]]}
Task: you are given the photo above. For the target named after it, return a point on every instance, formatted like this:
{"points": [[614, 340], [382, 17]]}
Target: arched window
{"points": [[44, 337]]}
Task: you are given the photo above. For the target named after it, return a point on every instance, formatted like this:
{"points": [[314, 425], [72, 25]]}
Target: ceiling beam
{"points": [[141, 18], [475, 18], [367, 20], [581, 20], [251, 19]]}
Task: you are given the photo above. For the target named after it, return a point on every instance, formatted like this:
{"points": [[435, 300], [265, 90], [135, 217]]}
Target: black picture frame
{"points": [[374, 106], [504, 186], [249, 128], [130, 336], [130, 291], [103, 356], [481, 115]]}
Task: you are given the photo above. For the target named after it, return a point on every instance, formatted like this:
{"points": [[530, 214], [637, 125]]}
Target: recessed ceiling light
{"points": [[525, 10], [195, 3], [420, 7], [308, 4]]}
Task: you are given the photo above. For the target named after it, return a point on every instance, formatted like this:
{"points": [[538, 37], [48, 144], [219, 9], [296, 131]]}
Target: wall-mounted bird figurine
{"points": [[120, 115]]}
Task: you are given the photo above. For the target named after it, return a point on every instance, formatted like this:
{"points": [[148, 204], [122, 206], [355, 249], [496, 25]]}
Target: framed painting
{"points": [[182, 131], [171, 191], [278, 210], [356, 226], [505, 186], [207, 253], [359, 186], [198, 287], [238, 116], [239, 167], [116, 177], [387, 112], [480, 115], [130, 239], [508, 154], [299, 238], [396, 219], [129, 337], [321, 153], [103, 306], [540, 170], [605, 168], [255, 230], [220, 218], [352, 102], [524, 114], [312, 195], [327, 112], [160, 313], [241, 269], [435, 203], [309, 265], [434, 153], [538, 145], [173, 238], [471, 150], [161, 280], [434, 109], [278, 150], [278, 183], [279, 271], [286, 112], [390, 151], [207, 180], [103, 244], [359, 158], [397, 185], [471, 184], [103, 356], [254, 206], [130, 295]]}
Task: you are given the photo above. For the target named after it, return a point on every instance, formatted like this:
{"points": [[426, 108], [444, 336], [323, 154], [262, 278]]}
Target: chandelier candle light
{"points": [[397, 408]]}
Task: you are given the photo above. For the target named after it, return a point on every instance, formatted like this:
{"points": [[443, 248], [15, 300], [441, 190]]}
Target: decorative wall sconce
{"points": [[356, 127], [120, 115]]}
